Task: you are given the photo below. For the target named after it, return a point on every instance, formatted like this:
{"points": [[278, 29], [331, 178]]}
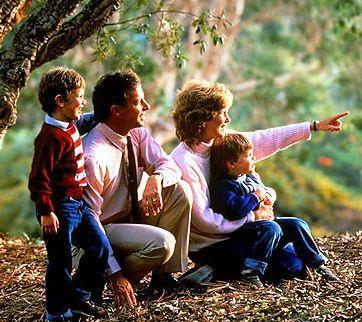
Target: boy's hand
{"points": [[267, 200], [50, 223], [265, 212], [260, 193]]}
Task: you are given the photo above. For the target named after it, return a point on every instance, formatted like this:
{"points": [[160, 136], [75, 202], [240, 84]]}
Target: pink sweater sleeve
{"points": [[270, 141], [266, 143]]}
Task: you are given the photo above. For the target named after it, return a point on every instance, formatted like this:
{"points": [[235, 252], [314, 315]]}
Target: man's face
{"points": [[136, 109], [73, 106]]}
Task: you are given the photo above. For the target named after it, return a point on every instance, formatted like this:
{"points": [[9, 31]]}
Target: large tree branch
{"points": [[15, 63], [87, 22], [11, 13]]}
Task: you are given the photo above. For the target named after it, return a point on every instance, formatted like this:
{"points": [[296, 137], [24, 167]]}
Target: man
{"points": [[157, 239]]}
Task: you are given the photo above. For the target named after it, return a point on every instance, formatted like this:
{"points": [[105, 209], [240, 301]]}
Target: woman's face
{"points": [[215, 128]]}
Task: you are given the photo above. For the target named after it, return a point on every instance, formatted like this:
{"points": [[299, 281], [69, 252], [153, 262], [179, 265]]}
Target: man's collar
{"points": [[116, 139]]}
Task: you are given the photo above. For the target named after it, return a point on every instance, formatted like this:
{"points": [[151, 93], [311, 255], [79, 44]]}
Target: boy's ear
{"points": [[59, 100], [230, 164]]}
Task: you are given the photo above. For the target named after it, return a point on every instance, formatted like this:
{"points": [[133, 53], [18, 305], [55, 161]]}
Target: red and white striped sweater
{"points": [[58, 165]]}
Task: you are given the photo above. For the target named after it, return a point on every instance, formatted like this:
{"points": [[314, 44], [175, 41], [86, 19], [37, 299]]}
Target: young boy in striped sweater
{"points": [[56, 183]]}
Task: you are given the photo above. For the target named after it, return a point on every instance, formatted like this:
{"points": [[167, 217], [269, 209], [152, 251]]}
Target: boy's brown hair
{"points": [[58, 81], [228, 148]]}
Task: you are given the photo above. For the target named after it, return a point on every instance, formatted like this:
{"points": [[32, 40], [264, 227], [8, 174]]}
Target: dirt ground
{"points": [[23, 262]]}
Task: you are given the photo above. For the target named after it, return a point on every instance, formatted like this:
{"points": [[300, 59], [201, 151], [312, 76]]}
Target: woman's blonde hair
{"points": [[197, 103]]}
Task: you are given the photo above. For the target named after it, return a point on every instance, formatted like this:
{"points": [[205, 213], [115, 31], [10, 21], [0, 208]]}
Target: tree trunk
{"points": [[45, 35], [11, 13], [8, 99]]}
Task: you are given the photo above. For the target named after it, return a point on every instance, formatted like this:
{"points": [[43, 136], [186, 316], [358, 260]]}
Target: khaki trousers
{"points": [[160, 243]]}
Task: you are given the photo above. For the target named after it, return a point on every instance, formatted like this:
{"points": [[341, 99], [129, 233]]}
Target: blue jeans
{"points": [[297, 232], [78, 227], [285, 264], [252, 246], [255, 244]]}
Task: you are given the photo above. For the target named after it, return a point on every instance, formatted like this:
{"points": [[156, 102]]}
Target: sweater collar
{"points": [[202, 149], [52, 121]]}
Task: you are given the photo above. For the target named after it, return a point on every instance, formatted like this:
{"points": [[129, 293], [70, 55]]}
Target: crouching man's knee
{"points": [[162, 246]]}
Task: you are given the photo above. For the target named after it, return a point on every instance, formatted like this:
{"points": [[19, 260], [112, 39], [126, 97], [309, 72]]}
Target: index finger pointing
{"points": [[340, 115]]}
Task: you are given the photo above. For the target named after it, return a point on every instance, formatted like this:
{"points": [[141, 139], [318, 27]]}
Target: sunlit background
{"points": [[285, 62]]}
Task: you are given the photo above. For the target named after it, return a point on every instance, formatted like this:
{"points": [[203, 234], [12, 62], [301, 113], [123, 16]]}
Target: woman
{"points": [[201, 116]]}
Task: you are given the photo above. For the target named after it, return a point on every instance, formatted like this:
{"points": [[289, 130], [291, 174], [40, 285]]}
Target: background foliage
{"points": [[289, 62]]}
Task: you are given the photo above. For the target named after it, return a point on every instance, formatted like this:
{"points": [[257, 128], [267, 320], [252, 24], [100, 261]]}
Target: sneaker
{"points": [[84, 308], [251, 277], [163, 281], [200, 274], [326, 273]]}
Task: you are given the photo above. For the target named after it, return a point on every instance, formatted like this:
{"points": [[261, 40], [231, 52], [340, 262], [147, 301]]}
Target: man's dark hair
{"points": [[112, 89]]}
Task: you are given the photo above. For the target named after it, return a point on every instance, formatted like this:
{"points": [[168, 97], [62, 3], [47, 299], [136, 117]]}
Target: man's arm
{"points": [[154, 159], [160, 167], [86, 123], [122, 288], [92, 196]]}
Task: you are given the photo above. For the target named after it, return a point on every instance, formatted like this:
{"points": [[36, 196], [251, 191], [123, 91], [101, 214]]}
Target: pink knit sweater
{"points": [[208, 227]]}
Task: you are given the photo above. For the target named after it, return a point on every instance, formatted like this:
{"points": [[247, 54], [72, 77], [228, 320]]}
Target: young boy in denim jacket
{"points": [[56, 182], [237, 192]]}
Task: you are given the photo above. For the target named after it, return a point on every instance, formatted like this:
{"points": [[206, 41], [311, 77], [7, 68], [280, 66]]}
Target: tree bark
{"points": [[11, 13], [83, 25], [44, 36]]}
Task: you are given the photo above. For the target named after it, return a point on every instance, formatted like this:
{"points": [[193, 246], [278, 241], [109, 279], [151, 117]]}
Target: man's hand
{"points": [[152, 199], [49, 223], [332, 124], [123, 291]]}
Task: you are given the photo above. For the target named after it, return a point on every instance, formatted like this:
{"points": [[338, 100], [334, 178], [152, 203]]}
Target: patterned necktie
{"points": [[132, 177]]}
